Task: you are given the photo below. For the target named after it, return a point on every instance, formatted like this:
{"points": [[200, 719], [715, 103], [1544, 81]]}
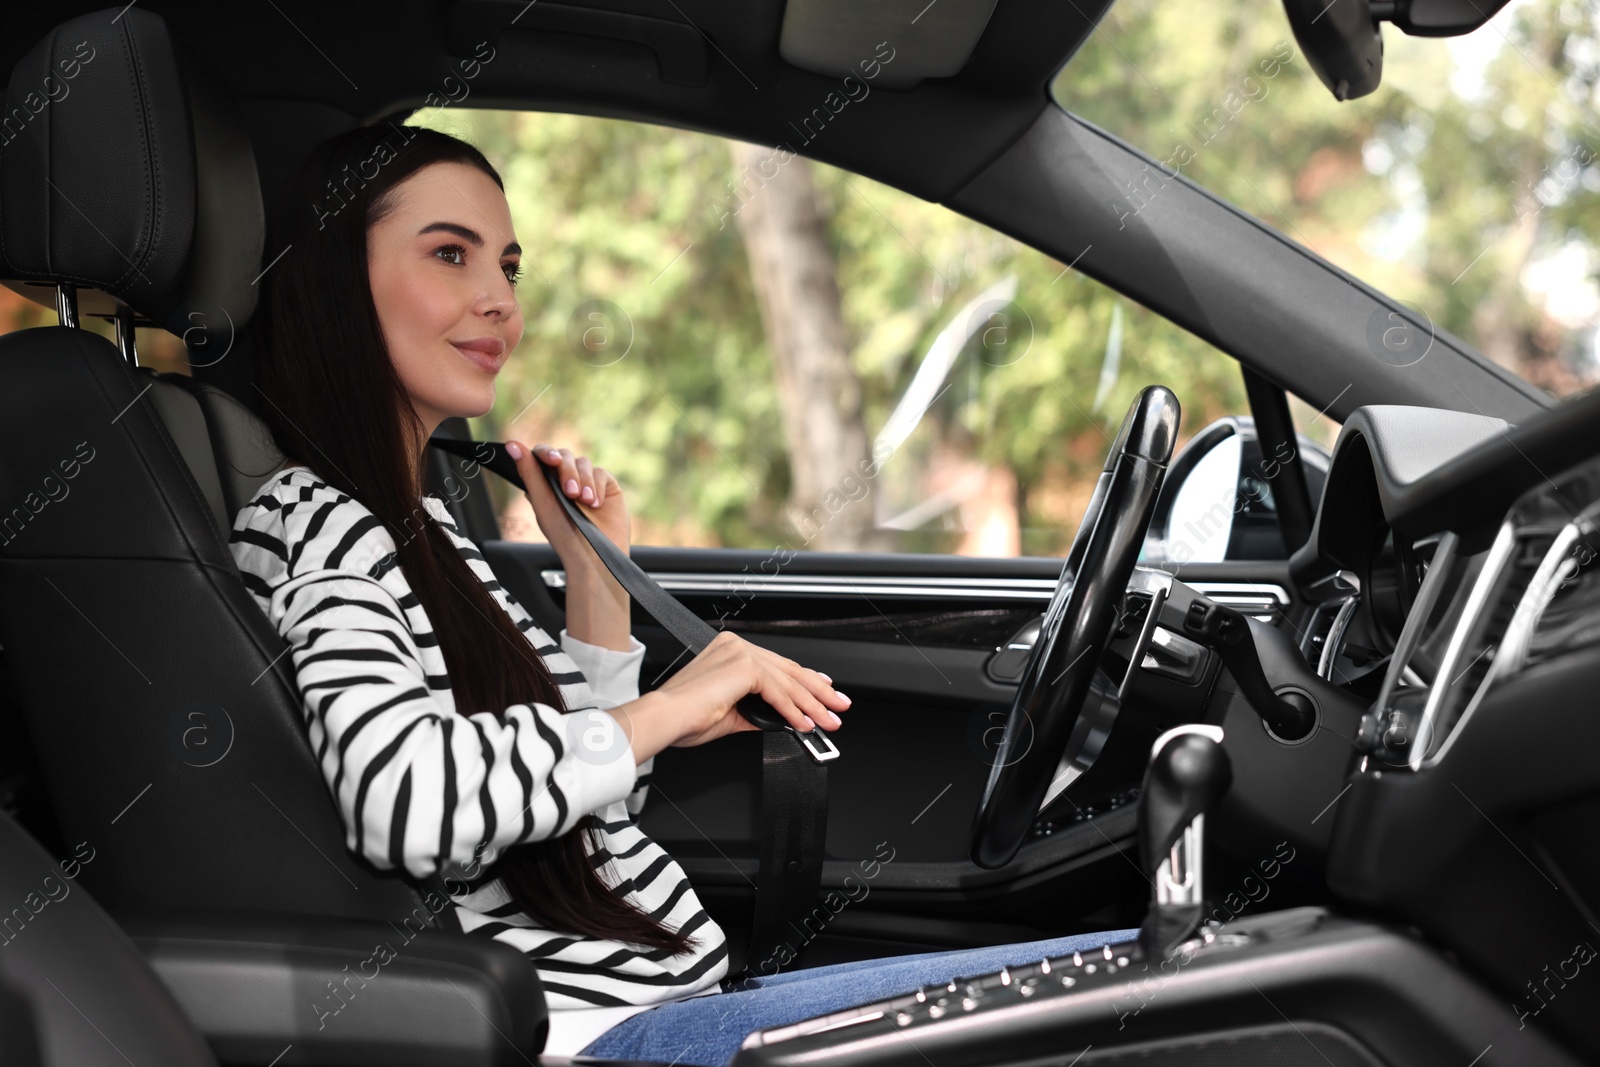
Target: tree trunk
{"points": [[795, 279]]}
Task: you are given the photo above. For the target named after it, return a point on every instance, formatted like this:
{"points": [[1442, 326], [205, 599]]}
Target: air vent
{"points": [[1560, 611], [1323, 633], [1535, 598], [1470, 662]]}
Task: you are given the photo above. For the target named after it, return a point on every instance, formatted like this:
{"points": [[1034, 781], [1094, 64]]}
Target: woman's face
{"points": [[440, 266]]}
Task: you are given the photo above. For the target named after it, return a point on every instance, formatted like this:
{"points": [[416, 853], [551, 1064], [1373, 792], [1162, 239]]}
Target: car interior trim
{"points": [[1411, 634], [1430, 746], [1335, 638], [1258, 597], [1553, 570]]}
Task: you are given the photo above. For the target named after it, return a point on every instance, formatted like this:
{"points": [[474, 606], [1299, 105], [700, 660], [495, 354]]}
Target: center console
{"points": [[1453, 810], [1302, 986]]}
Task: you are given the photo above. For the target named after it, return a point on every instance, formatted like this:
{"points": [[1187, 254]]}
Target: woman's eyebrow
{"points": [[466, 235]]}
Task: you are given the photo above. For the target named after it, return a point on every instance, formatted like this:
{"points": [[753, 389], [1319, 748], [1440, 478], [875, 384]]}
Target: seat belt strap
{"points": [[794, 828], [794, 765]]}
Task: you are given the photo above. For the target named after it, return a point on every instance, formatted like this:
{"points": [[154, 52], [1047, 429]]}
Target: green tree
{"points": [[645, 346], [1489, 181]]}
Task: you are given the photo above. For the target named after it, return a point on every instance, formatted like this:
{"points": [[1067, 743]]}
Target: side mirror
{"points": [[1217, 503]]}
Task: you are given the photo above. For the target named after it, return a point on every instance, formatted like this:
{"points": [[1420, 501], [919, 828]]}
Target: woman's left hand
{"points": [[592, 488]]}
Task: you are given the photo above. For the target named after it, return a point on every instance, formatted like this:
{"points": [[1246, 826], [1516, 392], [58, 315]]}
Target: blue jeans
{"points": [[706, 1031]]}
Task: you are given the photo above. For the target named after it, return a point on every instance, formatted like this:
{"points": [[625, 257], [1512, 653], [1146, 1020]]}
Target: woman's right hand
{"points": [[699, 702]]}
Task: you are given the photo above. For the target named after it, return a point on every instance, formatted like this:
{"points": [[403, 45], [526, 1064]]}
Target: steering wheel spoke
{"points": [[1059, 707], [1088, 736]]}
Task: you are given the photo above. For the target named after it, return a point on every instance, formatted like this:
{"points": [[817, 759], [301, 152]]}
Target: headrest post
{"points": [[177, 237], [67, 304], [126, 342]]}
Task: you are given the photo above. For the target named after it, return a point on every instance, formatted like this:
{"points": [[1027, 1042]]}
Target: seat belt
{"points": [[794, 765]]}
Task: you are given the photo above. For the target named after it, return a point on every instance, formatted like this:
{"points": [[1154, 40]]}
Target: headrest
{"points": [[125, 168]]}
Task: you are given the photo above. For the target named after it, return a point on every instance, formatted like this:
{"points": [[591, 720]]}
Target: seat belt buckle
{"points": [[817, 743]]}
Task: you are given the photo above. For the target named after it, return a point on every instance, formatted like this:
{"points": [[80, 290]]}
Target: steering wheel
{"points": [[1047, 723]]}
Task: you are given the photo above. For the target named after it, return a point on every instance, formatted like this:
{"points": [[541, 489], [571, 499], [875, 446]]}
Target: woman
{"points": [[456, 736]]}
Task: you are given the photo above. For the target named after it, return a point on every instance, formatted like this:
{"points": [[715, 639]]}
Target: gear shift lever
{"points": [[1188, 771]]}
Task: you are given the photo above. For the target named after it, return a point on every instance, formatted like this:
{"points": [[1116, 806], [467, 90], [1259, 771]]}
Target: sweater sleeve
{"points": [[419, 785], [614, 678]]}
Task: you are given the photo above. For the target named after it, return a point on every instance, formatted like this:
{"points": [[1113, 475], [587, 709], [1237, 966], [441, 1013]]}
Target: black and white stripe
{"points": [[424, 788]]}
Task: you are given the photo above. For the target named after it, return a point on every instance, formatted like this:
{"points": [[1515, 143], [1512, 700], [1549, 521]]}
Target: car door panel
{"points": [[909, 638]]}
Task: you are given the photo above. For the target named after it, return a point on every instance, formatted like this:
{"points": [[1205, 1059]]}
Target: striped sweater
{"points": [[426, 789]]}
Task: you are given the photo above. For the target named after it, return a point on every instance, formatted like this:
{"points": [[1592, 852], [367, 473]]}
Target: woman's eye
{"points": [[513, 270]]}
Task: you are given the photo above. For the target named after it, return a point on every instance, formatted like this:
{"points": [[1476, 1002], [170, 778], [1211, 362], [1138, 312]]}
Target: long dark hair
{"points": [[337, 405]]}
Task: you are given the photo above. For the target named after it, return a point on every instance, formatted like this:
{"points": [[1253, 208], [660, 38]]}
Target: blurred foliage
{"points": [[1467, 185], [1450, 187], [674, 391], [644, 345]]}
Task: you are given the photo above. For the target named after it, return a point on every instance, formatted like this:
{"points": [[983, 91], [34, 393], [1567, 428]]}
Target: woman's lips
{"points": [[486, 352]]}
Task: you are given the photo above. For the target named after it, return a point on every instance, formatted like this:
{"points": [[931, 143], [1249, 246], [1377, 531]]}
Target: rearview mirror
{"points": [[1341, 40], [1438, 18]]}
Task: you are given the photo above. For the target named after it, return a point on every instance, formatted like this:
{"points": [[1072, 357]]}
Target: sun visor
{"points": [[927, 38]]}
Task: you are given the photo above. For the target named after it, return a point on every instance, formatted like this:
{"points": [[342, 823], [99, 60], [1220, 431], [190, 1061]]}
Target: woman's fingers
{"points": [[562, 459], [774, 688], [585, 480], [822, 686], [783, 699], [815, 685], [577, 473], [804, 692], [810, 706], [774, 685], [807, 703], [524, 459], [603, 481], [804, 698]]}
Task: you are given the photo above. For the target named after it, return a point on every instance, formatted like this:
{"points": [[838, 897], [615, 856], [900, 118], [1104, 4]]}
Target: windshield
{"points": [[1467, 186]]}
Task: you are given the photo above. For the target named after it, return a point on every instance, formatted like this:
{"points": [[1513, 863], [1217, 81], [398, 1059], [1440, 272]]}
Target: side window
{"points": [[769, 352]]}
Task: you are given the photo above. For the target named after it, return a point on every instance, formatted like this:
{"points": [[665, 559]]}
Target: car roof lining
{"points": [[369, 61], [934, 140]]}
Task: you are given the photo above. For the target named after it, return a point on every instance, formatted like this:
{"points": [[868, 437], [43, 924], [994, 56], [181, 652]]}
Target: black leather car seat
{"points": [[163, 714], [165, 720], [73, 988], [76, 991]]}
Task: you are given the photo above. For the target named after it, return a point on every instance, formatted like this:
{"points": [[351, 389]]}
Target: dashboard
{"points": [[1454, 771], [1362, 571], [1453, 571], [1426, 618]]}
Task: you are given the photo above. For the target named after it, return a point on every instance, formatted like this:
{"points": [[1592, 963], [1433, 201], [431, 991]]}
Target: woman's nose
{"points": [[496, 303]]}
